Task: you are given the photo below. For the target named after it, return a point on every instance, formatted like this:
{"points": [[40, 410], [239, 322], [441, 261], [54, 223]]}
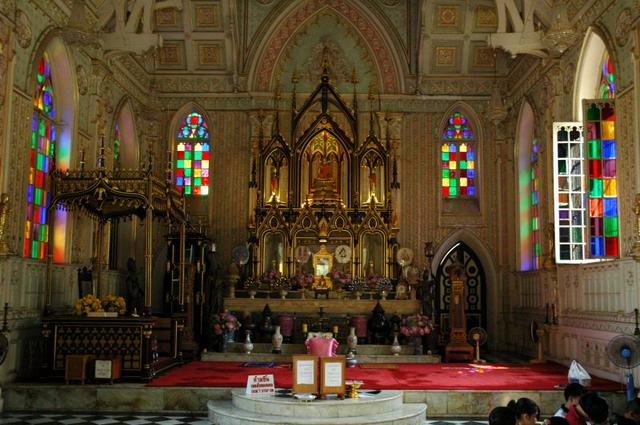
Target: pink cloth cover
{"points": [[321, 346]]}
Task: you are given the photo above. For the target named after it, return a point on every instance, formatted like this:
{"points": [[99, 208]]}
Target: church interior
{"points": [[199, 182]]}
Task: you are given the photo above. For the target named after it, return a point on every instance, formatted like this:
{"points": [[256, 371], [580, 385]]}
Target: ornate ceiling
{"points": [[255, 45]]}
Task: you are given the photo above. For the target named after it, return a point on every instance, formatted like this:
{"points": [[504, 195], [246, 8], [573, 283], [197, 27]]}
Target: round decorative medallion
{"points": [[23, 29], [240, 255], [302, 253], [623, 27], [404, 257], [343, 254]]}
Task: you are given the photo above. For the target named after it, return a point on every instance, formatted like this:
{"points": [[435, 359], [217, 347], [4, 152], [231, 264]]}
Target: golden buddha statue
{"points": [[324, 187]]}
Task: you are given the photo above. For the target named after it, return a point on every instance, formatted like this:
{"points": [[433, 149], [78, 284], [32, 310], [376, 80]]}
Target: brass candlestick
{"points": [[353, 388]]}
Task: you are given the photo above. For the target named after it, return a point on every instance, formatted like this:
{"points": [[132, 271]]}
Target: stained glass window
{"points": [[535, 217], [116, 144], [607, 79], [458, 158], [36, 233], [192, 160], [602, 177], [569, 194], [194, 127]]}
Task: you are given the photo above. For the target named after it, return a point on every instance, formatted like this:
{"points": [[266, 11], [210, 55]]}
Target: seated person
{"points": [[321, 346], [592, 408], [572, 394], [502, 416], [526, 410], [556, 420], [631, 413], [595, 408]]}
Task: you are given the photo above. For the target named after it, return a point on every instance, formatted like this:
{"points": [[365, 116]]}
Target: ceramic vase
{"points": [[230, 335], [383, 294], [252, 294], [396, 348], [248, 345], [276, 341], [283, 293], [358, 295], [352, 340]]}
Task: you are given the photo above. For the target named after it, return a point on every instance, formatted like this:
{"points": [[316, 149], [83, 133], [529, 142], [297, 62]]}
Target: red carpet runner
{"points": [[442, 376]]}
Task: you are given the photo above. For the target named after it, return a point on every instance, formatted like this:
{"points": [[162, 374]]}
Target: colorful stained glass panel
{"points": [[603, 182], [36, 230], [192, 159]]}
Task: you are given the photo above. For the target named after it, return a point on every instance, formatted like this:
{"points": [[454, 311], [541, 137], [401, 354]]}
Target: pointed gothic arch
{"points": [[486, 258], [587, 79], [459, 156], [527, 234], [191, 151], [126, 153], [53, 233], [390, 66]]}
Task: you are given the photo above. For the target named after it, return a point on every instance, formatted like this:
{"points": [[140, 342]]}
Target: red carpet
{"points": [[442, 376]]}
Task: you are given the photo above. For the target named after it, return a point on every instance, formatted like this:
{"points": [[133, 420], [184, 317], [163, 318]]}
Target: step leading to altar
{"points": [[367, 353], [384, 407]]}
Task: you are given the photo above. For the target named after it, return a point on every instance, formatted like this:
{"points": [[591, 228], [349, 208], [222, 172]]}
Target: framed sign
{"points": [[332, 376], [305, 374]]}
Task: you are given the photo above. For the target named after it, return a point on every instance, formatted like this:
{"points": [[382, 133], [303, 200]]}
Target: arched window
{"points": [[458, 158], [586, 184], [528, 190], [43, 136], [535, 216], [192, 163], [607, 79]]}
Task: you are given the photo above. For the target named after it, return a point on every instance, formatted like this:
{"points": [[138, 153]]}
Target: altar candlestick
{"points": [[81, 159]]}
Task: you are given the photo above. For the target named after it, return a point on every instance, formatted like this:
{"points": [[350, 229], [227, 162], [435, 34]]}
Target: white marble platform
{"points": [[384, 408]]}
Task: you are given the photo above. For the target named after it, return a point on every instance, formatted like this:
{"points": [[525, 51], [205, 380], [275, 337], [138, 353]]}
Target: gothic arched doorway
{"points": [[475, 302]]}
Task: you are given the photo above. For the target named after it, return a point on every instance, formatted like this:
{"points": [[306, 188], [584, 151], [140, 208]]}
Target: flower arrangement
{"points": [[87, 304], [225, 322], [384, 284], [270, 278], [90, 303], [251, 284], [372, 281], [114, 304], [357, 285], [340, 279], [418, 324], [281, 284], [304, 279]]}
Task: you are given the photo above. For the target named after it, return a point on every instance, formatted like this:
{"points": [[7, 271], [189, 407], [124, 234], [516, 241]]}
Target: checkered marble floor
{"points": [[92, 419]]}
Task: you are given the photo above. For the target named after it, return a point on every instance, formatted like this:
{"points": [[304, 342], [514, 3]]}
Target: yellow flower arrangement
{"points": [[87, 304], [90, 303], [113, 303]]}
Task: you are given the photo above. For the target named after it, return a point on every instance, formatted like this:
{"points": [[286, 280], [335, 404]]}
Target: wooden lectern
{"points": [[458, 349]]}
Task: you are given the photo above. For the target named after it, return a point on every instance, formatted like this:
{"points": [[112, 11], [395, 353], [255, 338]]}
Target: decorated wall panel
{"points": [[229, 179]]}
